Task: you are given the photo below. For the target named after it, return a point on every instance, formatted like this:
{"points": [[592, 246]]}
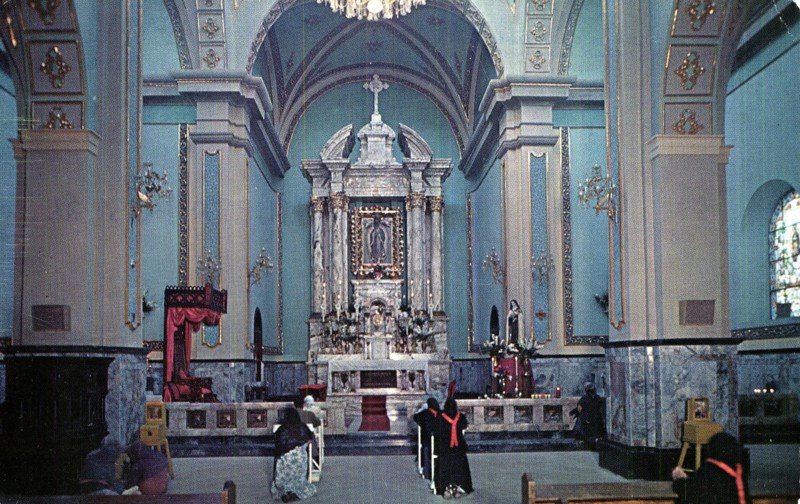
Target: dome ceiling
{"points": [[434, 50]]}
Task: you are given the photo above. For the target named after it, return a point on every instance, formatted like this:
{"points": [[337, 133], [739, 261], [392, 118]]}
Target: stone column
{"points": [[436, 205], [318, 293], [339, 236], [415, 205]]}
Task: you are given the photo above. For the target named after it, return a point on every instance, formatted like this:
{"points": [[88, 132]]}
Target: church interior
{"points": [[210, 209]]}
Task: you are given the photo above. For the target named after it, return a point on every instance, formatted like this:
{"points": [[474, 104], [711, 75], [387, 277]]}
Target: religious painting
{"points": [[377, 242], [697, 408]]}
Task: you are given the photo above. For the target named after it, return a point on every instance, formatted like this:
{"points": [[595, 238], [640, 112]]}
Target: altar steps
{"points": [[368, 443]]}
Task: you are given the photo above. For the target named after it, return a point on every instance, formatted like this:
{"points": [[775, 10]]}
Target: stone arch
{"points": [[464, 8]]}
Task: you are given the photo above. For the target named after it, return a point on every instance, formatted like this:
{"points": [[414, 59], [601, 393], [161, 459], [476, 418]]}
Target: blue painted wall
{"points": [[487, 232], [762, 118], [8, 189], [351, 104], [587, 60], [87, 13], [160, 53]]}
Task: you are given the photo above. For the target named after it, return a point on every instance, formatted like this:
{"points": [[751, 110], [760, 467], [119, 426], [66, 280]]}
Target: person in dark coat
{"points": [[290, 470], [720, 479], [148, 469], [591, 421], [452, 475], [427, 419]]}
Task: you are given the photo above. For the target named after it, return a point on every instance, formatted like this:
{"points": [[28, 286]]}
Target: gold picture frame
{"points": [[377, 246]]}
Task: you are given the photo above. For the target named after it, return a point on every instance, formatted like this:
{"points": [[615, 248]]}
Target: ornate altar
{"points": [[376, 247], [186, 310]]}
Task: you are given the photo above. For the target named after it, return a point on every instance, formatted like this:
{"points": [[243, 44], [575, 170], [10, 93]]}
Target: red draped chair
{"points": [[186, 310]]}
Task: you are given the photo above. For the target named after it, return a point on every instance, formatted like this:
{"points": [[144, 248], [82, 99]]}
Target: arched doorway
{"points": [[258, 343]]}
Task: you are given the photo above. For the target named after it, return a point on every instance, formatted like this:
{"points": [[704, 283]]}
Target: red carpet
{"points": [[373, 414]]}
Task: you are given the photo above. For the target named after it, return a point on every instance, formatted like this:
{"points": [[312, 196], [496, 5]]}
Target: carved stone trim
{"points": [[317, 204], [767, 332], [415, 199], [470, 279], [279, 267], [180, 36], [183, 205], [569, 37]]}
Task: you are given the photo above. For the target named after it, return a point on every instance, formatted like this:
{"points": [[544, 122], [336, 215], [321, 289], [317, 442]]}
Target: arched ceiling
{"points": [[433, 50]]}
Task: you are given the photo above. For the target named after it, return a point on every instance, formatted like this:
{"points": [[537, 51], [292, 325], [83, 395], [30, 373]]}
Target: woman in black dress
{"points": [[452, 478]]}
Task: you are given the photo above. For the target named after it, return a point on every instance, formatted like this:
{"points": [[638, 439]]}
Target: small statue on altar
{"points": [[513, 323]]}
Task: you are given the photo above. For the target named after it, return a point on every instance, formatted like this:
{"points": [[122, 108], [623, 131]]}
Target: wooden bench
{"points": [[227, 496], [774, 499], [635, 492]]}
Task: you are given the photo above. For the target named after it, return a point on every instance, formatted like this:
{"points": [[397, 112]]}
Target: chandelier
{"points": [[373, 10], [602, 190]]}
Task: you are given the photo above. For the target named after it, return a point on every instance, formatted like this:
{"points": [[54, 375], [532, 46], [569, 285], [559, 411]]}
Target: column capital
{"points": [[436, 203], [415, 199], [318, 204], [339, 201]]}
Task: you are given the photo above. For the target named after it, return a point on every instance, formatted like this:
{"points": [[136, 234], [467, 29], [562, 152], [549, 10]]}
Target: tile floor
{"points": [[496, 476]]}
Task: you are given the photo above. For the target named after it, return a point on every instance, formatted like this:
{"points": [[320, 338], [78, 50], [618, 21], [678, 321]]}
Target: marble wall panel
{"points": [[229, 378], [284, 378], [780, 370], [126, 397]]}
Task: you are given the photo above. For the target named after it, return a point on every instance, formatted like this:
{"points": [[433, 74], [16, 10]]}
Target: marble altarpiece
{"points": [[378, 323]]}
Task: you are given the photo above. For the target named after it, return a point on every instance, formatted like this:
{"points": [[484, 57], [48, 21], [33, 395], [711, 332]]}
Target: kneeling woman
{"points": [[290, 472], [453, 478]]}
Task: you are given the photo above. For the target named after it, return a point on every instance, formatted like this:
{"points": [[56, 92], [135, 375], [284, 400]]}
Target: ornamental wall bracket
{"points": [[492, 263], [699, 11], [263, 264], [687, 123], [690, 70], [54, 67], [46, 9]]}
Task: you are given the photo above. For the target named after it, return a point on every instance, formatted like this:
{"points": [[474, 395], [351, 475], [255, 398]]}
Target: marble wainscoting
{"points": [[648, 389], [229, 378], [284, 378], [760, 369], [569, 372], [126, 396]]}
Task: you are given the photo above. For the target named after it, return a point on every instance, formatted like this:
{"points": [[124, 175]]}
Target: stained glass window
{"points": [[784, 257]]}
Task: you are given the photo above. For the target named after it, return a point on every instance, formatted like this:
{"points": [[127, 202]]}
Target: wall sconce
{"points": [[541, 265], [210, 267], [492, 262], [601, 189], [150, 184], [263, 263]]}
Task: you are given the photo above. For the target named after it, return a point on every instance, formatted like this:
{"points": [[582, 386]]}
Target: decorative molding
{"points": [[153, 345], [57, 119], [415, 199], [569, 37], [184, 54], [687, 123], [46, 9], [210, 27], [183, 205], [470, 277], [339, 201], [690, 70], [211, 58], [697, 16], [54, 67], [436, 203], [767, 332], [317, 204], [279, 264]]}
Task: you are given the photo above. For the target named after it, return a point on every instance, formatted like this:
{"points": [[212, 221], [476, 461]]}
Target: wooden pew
{"points": [[227, 496], [774, 499], [635, 492]]}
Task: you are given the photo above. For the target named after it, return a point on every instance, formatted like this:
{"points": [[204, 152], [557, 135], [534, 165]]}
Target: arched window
{"points": [[784, 257]]}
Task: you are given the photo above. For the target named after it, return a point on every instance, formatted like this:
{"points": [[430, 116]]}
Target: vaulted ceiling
{"points": [[434, 50]]}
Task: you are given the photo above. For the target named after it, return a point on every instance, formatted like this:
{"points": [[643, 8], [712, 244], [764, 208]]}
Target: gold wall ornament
{"points": [[699, 11], [539, 5], [537, 59], [211, 58], [57, 119], [415, 199], [371, 258], [690, 70], [492, 263], [436, 203], [687, 123], [317, 204], [54, 67], [339, 201], [539, 31], [210, 27], [46, 9]]}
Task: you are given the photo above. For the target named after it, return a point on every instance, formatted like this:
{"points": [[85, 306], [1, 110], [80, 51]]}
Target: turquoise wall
{"points": [[587, 60], [87, 13], [263, 226], [762, 118], [160, 53], [487, 232], [351, 104], [8, 189]]}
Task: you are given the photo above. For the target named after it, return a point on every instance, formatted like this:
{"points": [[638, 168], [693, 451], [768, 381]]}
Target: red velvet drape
{"points": [[193, 319]]}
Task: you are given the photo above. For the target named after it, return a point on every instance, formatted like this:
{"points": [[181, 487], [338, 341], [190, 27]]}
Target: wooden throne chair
{"points": [[186, 310]]}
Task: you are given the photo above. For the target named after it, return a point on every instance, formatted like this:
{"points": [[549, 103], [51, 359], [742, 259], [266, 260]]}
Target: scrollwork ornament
{"points": [[690, 70], [687, 123], [537, 59], [211, 28], [539, 31], [699, 11], [54, 67], [57, 119], [211, 58], [539, 5], [436, 203], [46, 9]]}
